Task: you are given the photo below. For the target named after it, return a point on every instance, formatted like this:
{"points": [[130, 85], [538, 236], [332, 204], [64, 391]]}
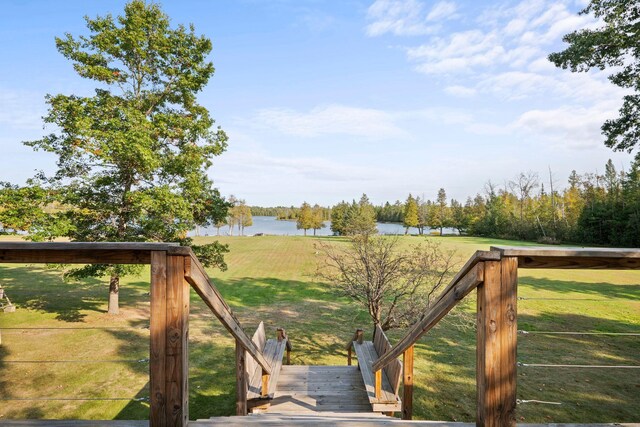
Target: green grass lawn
{"points": [[272, 279]]}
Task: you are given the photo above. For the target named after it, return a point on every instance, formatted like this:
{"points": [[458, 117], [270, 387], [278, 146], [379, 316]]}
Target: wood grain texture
{"points": [[85, 252], [367, 355], [241, 380], [518, 251], [314, 390], [508, 330], [393, 370], [259, 386], [158, 335], [573, 258], [177, 357], [259, 338], [407, 384], [496, 344]]}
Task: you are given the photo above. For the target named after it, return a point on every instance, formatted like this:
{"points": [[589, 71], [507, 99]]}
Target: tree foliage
{"points": [[132, 158], [613, 45], [410, 214], [394, 286], [357, 218], [305, 218]]}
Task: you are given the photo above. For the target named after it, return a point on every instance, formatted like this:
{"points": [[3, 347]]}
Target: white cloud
{"points": [[328, 120], [442, 10], [567, 126], [406, 17], [505, 36], [460, 91]]}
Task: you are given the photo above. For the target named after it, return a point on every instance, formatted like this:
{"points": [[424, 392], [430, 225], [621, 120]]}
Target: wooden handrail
{"points": [[571, 258], [470, 276], [195, 274]]}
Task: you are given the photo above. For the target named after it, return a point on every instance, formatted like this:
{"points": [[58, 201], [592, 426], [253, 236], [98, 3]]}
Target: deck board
{"points": [[320, 389]]}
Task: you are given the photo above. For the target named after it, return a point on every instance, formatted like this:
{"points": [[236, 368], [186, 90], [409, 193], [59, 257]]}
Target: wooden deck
{"points": [[278, 420], [318, 389]]}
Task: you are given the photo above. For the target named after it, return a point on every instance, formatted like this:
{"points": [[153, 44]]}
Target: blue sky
{"points": [[325, 100]]}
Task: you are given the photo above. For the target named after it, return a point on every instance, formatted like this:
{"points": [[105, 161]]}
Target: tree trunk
{"points": [[114, 289], [305, 231]]}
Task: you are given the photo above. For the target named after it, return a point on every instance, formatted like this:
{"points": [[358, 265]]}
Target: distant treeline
{"points": [[591, 209], [288, 213]]}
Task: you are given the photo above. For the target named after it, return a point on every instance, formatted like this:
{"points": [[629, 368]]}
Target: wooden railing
{"points": [[494, 274], [174, 269]]}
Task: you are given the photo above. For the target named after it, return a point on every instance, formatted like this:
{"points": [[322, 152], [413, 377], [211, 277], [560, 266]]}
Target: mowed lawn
{"points": [[272, 278]]}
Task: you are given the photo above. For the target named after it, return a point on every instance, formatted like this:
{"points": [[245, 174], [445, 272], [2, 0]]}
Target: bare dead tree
{"points": [[395, 286], [523, 185]]}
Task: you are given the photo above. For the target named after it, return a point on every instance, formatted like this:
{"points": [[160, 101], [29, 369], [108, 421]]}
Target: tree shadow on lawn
{"points": [[255, 291], [601, 290], [37, 292], [445, 373], [42, 289]]}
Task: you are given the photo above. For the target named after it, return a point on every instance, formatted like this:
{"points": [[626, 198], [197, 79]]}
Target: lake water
{"points": [[270, 225]]}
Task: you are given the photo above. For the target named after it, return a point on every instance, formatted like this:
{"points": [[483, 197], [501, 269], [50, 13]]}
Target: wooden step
{"points": [[319, 389], [344, 419]]}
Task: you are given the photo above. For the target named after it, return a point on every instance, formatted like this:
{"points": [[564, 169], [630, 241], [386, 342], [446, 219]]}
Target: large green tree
{"points": [[612, 45], [132, 158], [410, 214], [305, 218]]}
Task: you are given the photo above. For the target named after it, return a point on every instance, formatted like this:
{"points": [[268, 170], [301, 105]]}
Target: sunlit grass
{"points": [[273, 279]]}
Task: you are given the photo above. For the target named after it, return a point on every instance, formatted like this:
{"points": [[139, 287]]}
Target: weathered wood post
{"points": [[407, 381], [358, 336], [241, 379], [169, 327], [497, 344], [282, 335]]}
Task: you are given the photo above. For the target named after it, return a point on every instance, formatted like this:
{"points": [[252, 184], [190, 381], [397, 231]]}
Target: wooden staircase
{"points": [[319, 390]]}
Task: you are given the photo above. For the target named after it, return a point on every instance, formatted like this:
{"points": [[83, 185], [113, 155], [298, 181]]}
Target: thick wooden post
{"points": [[241, 380], [407, 387], [157, 356], [497, 344], [177, 354]]}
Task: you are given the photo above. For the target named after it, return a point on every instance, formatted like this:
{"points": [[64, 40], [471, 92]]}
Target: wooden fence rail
{"points": [[494, 274], [174, 269]]}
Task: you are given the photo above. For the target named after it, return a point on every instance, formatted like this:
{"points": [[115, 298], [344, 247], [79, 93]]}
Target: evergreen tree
{"points": [[360, 218], [410, 214], [338, 218], [132, 158]]}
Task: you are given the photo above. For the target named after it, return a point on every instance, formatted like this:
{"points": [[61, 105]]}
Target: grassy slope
{"points": [[272, 279]]}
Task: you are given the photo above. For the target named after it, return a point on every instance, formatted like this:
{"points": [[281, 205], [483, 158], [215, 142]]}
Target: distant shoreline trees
{"points": [[594, 209]]}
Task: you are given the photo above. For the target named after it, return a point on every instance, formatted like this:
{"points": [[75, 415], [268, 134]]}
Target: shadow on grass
{"points": [[602, 290], [41, 289], [445, 372], [320, 324]]}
